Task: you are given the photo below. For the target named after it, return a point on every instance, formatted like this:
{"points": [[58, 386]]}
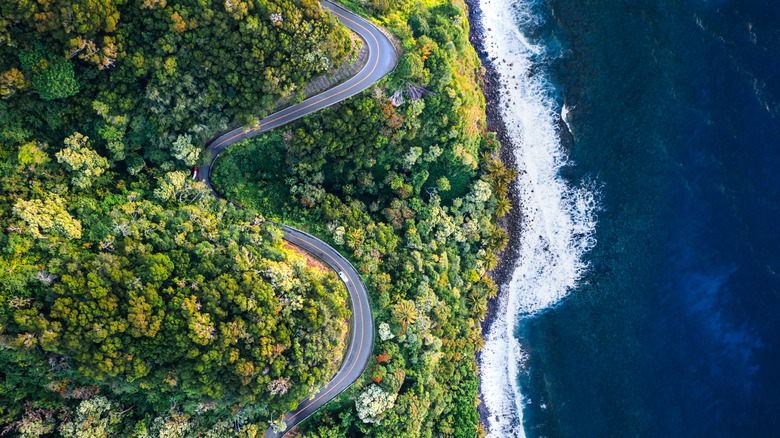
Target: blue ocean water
{"points": [[673, 108]]}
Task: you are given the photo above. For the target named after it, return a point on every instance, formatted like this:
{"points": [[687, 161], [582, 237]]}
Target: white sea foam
{"points": [[558, 219], [565, 117]]}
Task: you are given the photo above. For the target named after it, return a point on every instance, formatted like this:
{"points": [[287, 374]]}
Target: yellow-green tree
{"points": [[47, 216], [84, 163]]}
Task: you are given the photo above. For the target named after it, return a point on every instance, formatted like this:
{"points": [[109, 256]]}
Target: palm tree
{"points": [[490, 287], [405, 312], [478, 306], [497, 238], [503, 207], [500, 187], [495, 167], [490, 260]]}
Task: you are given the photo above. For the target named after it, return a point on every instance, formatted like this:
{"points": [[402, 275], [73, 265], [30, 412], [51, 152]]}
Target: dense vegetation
{"points": [[405, 182], [134, 304], [131, 301]]}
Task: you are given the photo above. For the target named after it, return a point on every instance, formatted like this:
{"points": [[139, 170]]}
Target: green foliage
{"points": [[84, 163], [194, 300], [170, 184], [250, 172], [410, 66], [187, 315], [32, 154], [61, 18], [165, 76], [464, 417], [405, 189], [47, 216], [184, 150], [443, 184], [11, 82], [419, 25], [139, 280], [53, 76], [372, 403], [93, 419]]}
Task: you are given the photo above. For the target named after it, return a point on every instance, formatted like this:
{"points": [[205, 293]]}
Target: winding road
{"points": [[382, 59]]}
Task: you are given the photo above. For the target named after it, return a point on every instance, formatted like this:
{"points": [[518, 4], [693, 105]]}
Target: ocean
{"points": [[646, 298]]}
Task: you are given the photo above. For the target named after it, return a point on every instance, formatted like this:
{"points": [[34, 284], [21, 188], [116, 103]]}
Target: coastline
{"points": [[511, 223]]}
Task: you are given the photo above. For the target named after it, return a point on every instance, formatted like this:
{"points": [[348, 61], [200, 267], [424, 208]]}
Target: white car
{"points": [[344, 277]]}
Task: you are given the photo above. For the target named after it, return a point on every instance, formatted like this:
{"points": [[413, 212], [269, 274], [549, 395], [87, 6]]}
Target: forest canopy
{"points": [[133, 303], [128, 293], [403, 180]]}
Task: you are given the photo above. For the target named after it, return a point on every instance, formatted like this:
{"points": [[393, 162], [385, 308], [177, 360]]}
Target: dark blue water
{"points": [[675, 109]]}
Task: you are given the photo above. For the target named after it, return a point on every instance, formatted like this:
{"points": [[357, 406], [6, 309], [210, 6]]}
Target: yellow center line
{"points": [[376, 63], [277, 116], [362, 325]]}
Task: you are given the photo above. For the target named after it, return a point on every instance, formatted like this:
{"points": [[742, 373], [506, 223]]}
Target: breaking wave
{"points": [[558, 218]]}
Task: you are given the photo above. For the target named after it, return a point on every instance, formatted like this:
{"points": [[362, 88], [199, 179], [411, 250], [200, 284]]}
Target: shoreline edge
{"points": [[511, 223]]}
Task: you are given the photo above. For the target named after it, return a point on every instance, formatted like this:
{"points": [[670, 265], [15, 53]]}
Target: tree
{"points": [[52, 76], [410, 66], [47, 216], [35, 423], [173, 425], [63, 18], [134, 165], [171, 183], [11, 82], [443, 184], [419, 25], [405, 313], [32, 154], [503, 207], [489, 260], [81, 160], [279, 425], [384, 332], [372, 403], [112, 131], [94, 419], [184, 150], [142, 321], [157, 268]]}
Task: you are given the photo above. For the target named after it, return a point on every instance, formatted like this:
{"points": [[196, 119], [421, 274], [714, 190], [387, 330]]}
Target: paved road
{"points": [[382, 59], [362, 333]]}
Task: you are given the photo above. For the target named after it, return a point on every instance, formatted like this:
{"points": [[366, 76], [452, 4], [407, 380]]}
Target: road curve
{"points": [[382, 59], [361, 336]]}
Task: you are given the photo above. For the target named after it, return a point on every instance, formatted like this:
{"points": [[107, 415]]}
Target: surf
{"points": [[558, 218]]}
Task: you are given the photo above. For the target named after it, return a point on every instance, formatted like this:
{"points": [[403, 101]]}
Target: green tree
{"points": [[410, 66], [170, 184], [405, 313], [184, 150], [84, 163], [32, 154], [372, 403], [157, 268], [443, 184], [11, 82], [53, 76], [47, 216], [94, 418]]}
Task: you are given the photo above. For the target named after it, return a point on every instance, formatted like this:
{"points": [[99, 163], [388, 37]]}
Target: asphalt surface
{"points": [[382, 59], [362, 334]]}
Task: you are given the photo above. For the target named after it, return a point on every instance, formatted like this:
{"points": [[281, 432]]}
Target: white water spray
{"points": [[558, 220]]}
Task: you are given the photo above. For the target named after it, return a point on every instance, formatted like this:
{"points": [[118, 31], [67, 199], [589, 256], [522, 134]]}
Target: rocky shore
{"points": [[495, 123]]}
